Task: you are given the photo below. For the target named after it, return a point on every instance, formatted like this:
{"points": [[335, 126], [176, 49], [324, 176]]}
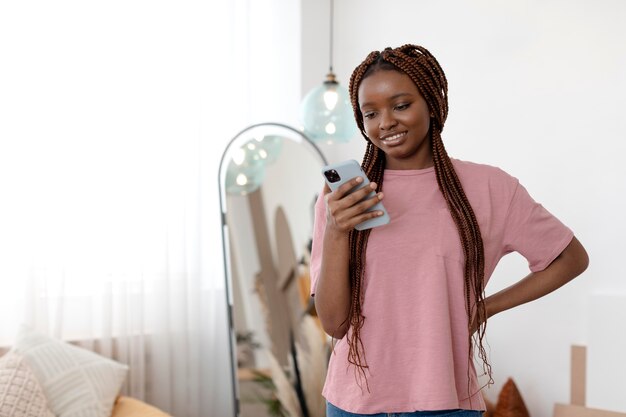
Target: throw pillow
{"points": [[510, 402], [20, 392], [76, 381]]}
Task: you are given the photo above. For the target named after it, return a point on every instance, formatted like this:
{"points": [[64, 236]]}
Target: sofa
{"points": [[131, 407], [44, 377]]}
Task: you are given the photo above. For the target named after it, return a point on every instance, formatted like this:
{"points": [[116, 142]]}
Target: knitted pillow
{"points": [[510, 402], [20, 392], [76, 381]]}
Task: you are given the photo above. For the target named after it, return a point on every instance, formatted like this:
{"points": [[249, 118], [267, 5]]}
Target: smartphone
{"points": [[340, 173]]}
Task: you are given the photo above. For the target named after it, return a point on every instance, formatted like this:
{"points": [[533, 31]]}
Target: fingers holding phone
{"points": [[352, 201], [347, 209]]}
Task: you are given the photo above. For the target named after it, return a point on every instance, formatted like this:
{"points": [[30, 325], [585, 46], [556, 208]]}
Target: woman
{"points": [[406, 300]]}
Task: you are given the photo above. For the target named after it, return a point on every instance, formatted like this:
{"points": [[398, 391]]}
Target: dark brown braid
{"points": [[422, 67]]}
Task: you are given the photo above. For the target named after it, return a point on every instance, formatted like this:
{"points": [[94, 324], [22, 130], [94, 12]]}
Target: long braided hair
{"points": [[422, 67]]}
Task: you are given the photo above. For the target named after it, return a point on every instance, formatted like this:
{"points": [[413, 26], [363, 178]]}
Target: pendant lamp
{"points": [[246, 168], [326, 113]]}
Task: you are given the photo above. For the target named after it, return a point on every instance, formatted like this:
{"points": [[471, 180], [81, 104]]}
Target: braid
{"points": [[422, 67]]}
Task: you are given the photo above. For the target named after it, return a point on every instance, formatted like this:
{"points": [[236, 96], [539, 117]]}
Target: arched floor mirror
{"points": [[269, 179]]}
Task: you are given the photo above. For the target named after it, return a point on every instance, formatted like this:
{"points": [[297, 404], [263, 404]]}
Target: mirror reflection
{"points": [[269, 187]]}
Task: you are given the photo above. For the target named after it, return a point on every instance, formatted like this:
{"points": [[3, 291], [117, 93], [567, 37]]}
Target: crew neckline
{"points": [[408, 172]]}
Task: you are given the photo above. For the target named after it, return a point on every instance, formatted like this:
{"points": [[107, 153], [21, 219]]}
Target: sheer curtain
{"points": [[113, 117]]}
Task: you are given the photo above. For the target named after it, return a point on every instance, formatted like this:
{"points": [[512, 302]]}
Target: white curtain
{"points": [[113, 117]]}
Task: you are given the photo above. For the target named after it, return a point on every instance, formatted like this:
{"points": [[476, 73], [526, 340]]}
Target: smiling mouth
{"points": [[393, 138]]}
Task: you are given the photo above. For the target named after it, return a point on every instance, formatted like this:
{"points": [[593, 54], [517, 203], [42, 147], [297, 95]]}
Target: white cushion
{"points": [[76, 381], [20, 392]]}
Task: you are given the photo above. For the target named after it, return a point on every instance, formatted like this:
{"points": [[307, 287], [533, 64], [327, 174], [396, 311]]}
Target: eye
{"points": [[369, 115], [403, 106]]}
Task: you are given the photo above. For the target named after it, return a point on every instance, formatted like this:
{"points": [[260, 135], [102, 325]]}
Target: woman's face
{"points": [[396, 119]]}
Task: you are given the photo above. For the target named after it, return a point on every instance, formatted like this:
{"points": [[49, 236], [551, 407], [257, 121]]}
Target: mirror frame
{"points": [[238, 140]]}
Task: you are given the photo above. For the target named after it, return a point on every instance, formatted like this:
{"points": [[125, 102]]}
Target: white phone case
{"points": [[342, 172]]}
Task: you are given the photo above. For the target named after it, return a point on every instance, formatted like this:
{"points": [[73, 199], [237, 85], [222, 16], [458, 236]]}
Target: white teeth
{"points": [[397, 136]]}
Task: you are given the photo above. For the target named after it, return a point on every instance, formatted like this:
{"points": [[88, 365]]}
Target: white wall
{"points": [[538, 89]]}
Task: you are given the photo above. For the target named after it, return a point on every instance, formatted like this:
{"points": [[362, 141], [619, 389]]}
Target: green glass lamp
{"points": [[326, 112], [246, 170]]}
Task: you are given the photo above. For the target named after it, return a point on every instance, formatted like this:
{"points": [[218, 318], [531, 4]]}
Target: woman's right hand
{"points": [[345, 210]]}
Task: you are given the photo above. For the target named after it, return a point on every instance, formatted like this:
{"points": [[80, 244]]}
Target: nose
{"points": [[387, 121]]}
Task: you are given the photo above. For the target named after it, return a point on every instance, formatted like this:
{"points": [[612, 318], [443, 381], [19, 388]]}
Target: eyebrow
{"points": [[395, 96]]}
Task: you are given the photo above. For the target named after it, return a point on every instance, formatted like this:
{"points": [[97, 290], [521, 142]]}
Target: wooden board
{"points": [[562, 410], [579, 375]]}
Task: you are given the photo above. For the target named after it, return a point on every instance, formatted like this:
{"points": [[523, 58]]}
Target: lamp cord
{"points": [[332, 9]]}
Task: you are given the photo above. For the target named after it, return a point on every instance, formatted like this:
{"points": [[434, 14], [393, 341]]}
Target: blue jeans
{"points": [[332, 411]]}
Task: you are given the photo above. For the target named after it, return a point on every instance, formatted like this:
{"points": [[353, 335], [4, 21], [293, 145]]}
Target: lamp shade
{"points": [[269, 147], [246, 170], [326, 113]]}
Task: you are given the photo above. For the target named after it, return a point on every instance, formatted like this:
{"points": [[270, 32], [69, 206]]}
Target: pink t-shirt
{"points": [[415, 331]]}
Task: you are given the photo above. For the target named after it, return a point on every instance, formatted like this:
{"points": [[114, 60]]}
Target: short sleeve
{"points": [[319, 225], [533, 231]]}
